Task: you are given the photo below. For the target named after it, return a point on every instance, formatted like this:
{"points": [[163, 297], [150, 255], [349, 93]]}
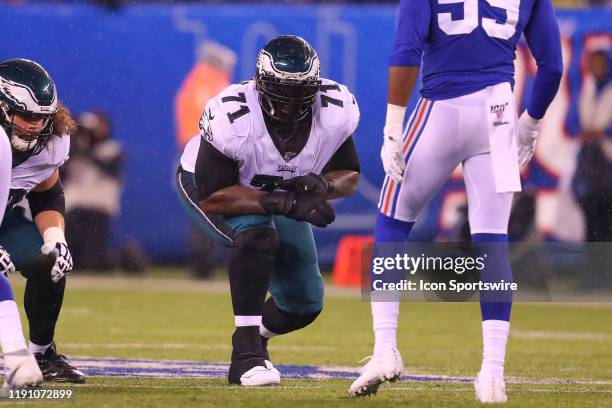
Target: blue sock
{"points": [[497, 305], [389, 229], [6, 291], [389, 238]]}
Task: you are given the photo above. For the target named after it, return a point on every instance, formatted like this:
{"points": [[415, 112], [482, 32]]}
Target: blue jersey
{"points": [[467, 45]]}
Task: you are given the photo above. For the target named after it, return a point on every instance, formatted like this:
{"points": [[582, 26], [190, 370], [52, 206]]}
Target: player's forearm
{"points": [[344, 183], [47, 205], [401, 84], [45, 220], [233, 200]]}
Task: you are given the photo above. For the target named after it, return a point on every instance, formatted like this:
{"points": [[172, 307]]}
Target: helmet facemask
{"points": [[287, 100], [22, 140], [287, 78]]}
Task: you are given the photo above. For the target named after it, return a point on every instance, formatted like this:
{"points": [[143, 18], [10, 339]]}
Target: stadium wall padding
{"points": [[131, 62]]}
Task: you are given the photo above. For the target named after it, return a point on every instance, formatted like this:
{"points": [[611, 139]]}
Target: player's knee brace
{"points": [[279, 321], [256, 246], [262, 239]]}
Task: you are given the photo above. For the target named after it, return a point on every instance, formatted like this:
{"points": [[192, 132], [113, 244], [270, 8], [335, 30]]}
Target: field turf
{"points": [[558, 355]]}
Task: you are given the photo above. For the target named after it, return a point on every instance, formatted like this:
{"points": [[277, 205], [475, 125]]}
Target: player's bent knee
{"points": [[281, 321], [303, 296], [38, 267], [302, 320], [257, 240]]}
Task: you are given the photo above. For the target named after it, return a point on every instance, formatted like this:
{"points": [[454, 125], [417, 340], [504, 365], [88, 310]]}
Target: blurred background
{"points": [[137, 74]]}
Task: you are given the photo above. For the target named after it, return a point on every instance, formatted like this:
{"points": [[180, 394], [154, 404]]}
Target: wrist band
{"points": [[54, 234], [395, 114]]}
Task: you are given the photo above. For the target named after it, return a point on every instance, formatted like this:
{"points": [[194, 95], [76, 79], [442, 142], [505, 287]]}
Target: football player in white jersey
{"points": [[271, 153], [20, 367], [32, 231]]}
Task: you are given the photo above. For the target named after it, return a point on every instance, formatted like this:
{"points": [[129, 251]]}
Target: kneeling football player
{"points": [[271, 152], [38, 128]]}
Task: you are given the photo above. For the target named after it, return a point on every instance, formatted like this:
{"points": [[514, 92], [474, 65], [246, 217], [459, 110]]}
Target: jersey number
{"points": [[326, 100], [244, 109], [470, 19]]}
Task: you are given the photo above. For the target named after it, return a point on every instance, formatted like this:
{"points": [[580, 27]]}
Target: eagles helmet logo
{"points": [[23, 97]]}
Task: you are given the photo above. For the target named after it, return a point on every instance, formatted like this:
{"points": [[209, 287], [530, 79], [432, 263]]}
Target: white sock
{"points": [[384, 318], [266, 333], [11, 334], [240, 321], [35, 348], [494, 339]]}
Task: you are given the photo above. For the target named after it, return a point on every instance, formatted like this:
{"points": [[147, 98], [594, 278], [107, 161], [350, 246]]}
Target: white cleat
{"points": [[21, 370], [260, 376], [386, 366], [270, 366], [490, 389]]}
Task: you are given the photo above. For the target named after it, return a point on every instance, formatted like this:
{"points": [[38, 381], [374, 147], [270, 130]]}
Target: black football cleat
{"points": [[248, 366], [56, 368]]}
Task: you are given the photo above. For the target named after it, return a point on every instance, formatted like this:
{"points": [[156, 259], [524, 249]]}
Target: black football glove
{"points": [[313, 184], [301, 207]]}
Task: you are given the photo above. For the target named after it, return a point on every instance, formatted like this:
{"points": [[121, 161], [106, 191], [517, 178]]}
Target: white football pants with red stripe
{"points": [[439, 136]]}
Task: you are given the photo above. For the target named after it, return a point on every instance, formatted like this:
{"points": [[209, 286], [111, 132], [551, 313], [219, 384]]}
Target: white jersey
{"points": [[233, 123], [5, 170], [39, 167]]}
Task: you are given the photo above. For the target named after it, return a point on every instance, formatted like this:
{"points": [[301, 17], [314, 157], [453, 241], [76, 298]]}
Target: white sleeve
{"points": [[61, 146], [216, 128], [6, 160], [353, 113]]}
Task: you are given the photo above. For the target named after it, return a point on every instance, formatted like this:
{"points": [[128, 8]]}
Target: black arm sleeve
{"points": [[213, 170], [48, 200], [345, 158]]}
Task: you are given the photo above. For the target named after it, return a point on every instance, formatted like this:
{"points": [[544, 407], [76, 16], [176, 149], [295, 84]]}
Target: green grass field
{"points": [[558, 354]]}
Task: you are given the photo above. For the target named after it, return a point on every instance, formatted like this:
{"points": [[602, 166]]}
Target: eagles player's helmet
{"points": [[287, 78], [28, 91]]}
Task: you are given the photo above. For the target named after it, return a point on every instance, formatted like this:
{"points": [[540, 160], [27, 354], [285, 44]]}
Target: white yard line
{"points": [[178, 346], [551, 335]]}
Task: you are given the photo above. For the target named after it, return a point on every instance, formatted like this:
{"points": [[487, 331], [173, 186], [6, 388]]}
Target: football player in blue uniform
{"points": [[466, 115], [272, 152]]}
